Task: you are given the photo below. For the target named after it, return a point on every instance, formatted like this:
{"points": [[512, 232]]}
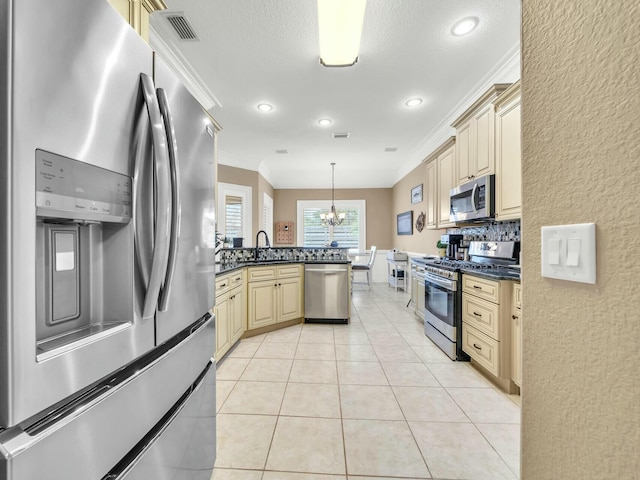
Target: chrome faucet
{"points": [[266, 238]]}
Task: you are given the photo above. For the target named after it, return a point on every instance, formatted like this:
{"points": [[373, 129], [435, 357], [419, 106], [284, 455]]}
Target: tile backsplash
{"points": [[240, 255], [494, 231]]}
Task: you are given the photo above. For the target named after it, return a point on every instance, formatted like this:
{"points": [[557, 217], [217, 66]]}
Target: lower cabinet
{"points": [[256, 297], [516, 335], [230, 311], [275, 294], [487, 326]]}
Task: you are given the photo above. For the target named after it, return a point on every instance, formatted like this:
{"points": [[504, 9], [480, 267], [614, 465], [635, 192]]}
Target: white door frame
{"points": [[244, 193]]}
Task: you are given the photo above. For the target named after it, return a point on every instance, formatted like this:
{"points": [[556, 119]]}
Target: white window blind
{"points": [[233, 216], [350, 234], [267, 215]]}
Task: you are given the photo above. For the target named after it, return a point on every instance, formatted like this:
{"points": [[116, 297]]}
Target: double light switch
{"points": [[569, 252]]}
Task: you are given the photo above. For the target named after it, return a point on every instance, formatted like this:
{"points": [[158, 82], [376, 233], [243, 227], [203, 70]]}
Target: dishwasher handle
{"points": [[325, 271]]}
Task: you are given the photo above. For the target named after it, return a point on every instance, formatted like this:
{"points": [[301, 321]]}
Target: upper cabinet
{"points": [[137, 12], [432, 195], [508, 154], [440, 180], [475, 137]]}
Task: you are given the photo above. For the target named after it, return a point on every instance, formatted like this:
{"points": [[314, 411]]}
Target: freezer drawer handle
{"points": [[176, 210], [162, 199]]}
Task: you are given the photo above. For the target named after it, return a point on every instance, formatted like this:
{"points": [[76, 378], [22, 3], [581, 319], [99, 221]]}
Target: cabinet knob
{"points": [[514, 317]]}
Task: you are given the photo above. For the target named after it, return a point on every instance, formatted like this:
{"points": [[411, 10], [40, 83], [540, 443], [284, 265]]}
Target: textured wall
{"points": [[419, 242], [581, 163], [379, 213]]}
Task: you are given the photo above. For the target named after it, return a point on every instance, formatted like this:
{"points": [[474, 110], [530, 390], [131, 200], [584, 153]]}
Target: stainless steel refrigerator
{"points": [[106, 253]]}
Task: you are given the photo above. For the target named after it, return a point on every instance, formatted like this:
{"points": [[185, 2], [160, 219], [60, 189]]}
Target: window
{"points": [[267, 215], [232, 216], [234, 209], [350, 234]]}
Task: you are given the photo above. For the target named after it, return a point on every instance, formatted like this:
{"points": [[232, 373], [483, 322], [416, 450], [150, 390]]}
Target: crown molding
{"points": [[170, 53], [154, 5], [507, 70]]}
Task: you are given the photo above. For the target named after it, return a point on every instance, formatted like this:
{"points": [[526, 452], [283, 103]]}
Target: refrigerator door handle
{"points": [[176, 210], [142, 224], [162, 198]]}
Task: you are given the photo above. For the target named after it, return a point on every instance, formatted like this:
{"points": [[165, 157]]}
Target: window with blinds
{"points": [[315, 234], [233, 216]]}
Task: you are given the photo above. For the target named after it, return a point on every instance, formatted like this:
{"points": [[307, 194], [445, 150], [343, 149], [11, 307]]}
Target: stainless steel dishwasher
{"points": [[326, 292]]}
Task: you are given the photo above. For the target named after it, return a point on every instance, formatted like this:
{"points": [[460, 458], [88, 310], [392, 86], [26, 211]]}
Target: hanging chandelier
{"points": [[332, 218]]}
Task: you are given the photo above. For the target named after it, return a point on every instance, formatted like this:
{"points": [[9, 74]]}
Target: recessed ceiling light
{"points": [[325, 122], [413, 102], [465, 26], [265, 107]]}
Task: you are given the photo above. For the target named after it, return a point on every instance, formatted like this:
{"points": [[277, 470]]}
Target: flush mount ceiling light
{"points": [[464, 26], [340, 29], [265, 107], [324, 122], [413, 102]]}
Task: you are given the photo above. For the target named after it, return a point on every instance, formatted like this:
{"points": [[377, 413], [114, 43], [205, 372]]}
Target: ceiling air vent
{"points": [[391, 149], [282, 152], [341, 135], [181, 25]]}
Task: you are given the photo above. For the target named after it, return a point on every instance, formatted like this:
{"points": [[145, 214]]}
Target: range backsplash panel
{"points": [[494, 232]]}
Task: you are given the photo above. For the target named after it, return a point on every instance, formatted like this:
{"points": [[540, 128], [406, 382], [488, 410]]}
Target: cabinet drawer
{"points": [[288, 271], [481, 348], [226, 282], [481, 314], [517, 295], [257, 274], [236, 279], [223, 284], [481, 287]]}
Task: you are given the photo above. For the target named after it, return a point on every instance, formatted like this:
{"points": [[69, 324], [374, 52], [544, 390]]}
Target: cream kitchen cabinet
{"points": [[137, 12], [516, 335], [475, 137], [446, 181], [417, 289], [508, 154], [440, 180], [486, 326], [432, 195], [230, 311], [275, 294]]}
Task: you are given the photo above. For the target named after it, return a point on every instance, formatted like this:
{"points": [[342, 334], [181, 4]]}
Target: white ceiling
{"points": [[252, 51]]}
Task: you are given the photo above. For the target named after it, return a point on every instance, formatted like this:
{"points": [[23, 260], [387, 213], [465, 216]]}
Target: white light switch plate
{"points": [[569, 252]]}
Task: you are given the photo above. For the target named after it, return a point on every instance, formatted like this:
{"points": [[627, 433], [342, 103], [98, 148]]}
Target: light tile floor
{"points": [[374, 399]]}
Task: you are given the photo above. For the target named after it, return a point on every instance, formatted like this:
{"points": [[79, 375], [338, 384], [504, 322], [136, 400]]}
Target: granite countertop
{"points": [[492, 274], [230, 267]]}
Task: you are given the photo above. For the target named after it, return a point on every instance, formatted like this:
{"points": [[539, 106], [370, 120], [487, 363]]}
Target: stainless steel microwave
{"points": [[474, 200]]}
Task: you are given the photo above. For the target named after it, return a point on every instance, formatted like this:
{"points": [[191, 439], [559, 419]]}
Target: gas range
{"points": [[499, 257], [443, 291]]}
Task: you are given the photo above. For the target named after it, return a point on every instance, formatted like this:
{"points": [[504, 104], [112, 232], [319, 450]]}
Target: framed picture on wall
{"points": [[404, 223], [416, 194]]}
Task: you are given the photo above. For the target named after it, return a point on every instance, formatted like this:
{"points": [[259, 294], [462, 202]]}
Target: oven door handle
{"points": [[440, 282]]}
